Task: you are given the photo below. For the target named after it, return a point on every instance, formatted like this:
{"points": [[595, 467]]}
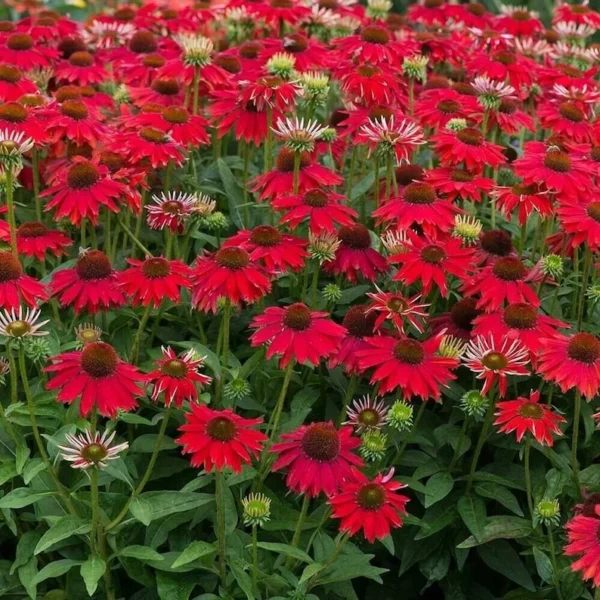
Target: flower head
{"points": [[87, 333], [91, 450], [491, 92], [474, 403], [171, 210], [416, 66], [323, 246], [366, 414], [386, 138], [298, 135], [197, 49], [373, 444], [257, 509], [21, 323], [467, 228], [547, 511], [400, 416]]}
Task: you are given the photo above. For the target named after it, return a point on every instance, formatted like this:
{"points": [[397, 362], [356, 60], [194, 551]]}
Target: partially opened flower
{"points": [[367, 413], [296, 333], [398, 309], [528, 414], [178, 377], [22, 323], [371, 505], [387, 138], [298, 135], [171, 210], [220, 439], [318, 458], [98, 377], [91, 449], [493, 358]]}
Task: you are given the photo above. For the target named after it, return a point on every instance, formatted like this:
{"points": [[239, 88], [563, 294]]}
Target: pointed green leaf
{"points": [[141, 553], [55, 569], [500, 556], [500, 527], [64, 528], [193, 552], [472, 511], [438, 486], [141, 509], [21, 497], [91, 572], [286, 550]]}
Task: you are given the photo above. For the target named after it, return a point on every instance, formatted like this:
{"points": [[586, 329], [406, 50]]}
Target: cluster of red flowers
{"points": [[374, 149]]}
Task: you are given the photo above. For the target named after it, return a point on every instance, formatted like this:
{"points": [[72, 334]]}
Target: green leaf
{"points": [[173, 587], [21, 497], [32, 468], [286, 550], [438, 517], [167, 503], [501, 557], [502, 495], [27, 574], [438, 486], [7, 472], [193, 552], [242, 578], [147, 443], [118, 470], [141, 509], [55, 569], [472, 511], [543, 565], [310, 571], [500, 527], [141, 553], [27, 543], [64, 528], [233, 192], [91, 572], [211, 360], [350, 566]]}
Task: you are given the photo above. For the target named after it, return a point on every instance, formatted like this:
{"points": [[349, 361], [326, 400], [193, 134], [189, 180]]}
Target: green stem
{"points": [[274, 422], [574, 441], [219, 480], [11, 211], [314, 286], [134, 239], [459, 445], [347, 399], [586, 272], [196, 90], [225, 356], [489, 416], [38, 438], [135, 349], [140, 488], [255, 559], [95, 510], [352, 169], [35, 168], [299, 527], [269, 140], [409, 437], [526, 453], [246, 216], [14, 374], [555, 578], [376, 182], [341, 541]]}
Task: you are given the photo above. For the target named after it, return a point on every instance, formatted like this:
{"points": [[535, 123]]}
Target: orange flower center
{"points": [[495, 361], [81, 59], [221, 429], [371, 496], [531, 410], [232, 258], [151, 134], [20, 41], [409, 352], [94, 264], [33, 229], [448, 106], [584, 347], [166, 87], [355, 236], [10, 267], [571, 112], [13, 112], [143, 42], [433, 254], [285, 160], [99, 359], [155, 268], [520, 316], [82, 176], [174, 368], [358, 323], [558, 161], [321, 442], [593, 211], [509, 269], [470, 136], [297, 317], [419, 193], [9, 74], [375, 35], [75, 109], [153, 61], [265, 235]]}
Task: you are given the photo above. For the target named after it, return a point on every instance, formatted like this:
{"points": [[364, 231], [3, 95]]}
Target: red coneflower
{"points": [[18, 118], [177, 377], [318, 458], [370, 85], [280, 181], [580, 14], [359, 324], [182, 127], [220, 439], [73, 120], [528, 414], [528, 198], [453, 183], [13, 84], [355, 257], [493, 358], [506, 280], [374, 44], [370, 505], [16, 287], [519, 321], [81, 190], [81, 68], [267, 245], [580, 219], [437, 107], [99, 377], [296, 333], [397, 308], [323, 209], [308, 52], [459, 321], [19, 49], [228, 273], [91, 285], [431, 260], [510, 118], [152, 144], [583, 533], [567, 175], [572, 362], [418, 203], [407, 365], [163, 91], [469, 146], [568, 118], [171, 210], [35, 239], [153, 280], [270, 92], [494, 244]]}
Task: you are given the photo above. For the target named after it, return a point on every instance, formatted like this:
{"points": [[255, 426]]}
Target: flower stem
{"points": [[274, 422], [314, 288], [347, 398], [224, 334], [38, 438], [140, 488], [555, 578], [297, 156], [95, 510], [11, 211], [526, 453], [195, 90], [459, 445], [340, 542], [35, 168], [299, 527], [410, 435], [254, 558], [353, 161], [14, 374], [574, 440], [489, 416], [135, 349], [134, 239], [219, 481]]}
